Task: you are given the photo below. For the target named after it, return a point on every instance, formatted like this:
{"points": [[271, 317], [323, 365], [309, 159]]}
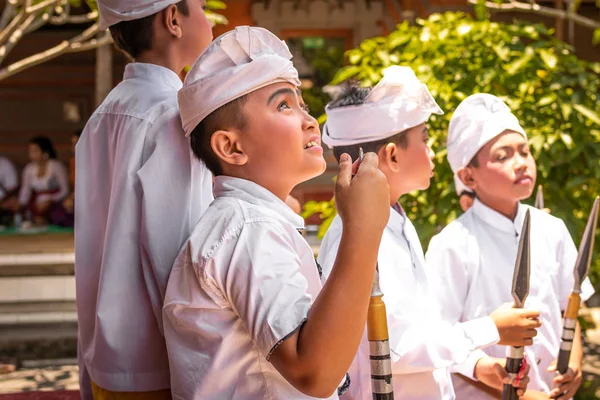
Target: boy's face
{"points": [[506, 169], [281, 141], [414, 165], [197, 31]]}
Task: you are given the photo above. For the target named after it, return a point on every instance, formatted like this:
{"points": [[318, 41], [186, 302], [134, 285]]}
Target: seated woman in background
{"points": [[45, 180], [9, 185]]}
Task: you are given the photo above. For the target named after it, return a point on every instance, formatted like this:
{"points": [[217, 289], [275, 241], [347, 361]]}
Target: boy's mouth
{"points": [[525, 179], [310, 144]]}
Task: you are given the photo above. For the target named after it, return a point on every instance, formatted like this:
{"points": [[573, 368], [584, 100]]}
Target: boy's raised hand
{"points": [[516, 326], [363, 201]]}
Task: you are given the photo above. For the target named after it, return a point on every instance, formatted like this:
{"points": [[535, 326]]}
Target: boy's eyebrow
{"points": [[280, 92]]}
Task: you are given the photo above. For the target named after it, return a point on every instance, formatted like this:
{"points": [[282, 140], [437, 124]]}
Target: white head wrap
{"points": [[112, 12], [478, 119], [398, 102], [236, 63]]}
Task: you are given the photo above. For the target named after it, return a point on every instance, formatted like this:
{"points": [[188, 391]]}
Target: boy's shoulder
{"points": [[226, 218], [144, 100]]}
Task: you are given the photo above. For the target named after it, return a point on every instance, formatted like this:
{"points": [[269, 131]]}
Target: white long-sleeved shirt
{"points": [[8, 177], [236, 292], [52, 186], [138, 194], [472, 261], [422, 346]]}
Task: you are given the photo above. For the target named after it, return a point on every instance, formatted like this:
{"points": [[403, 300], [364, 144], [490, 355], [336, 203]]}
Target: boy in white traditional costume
{"points": [[390, 120], [136, 181], [473, 258], [245, 314]]}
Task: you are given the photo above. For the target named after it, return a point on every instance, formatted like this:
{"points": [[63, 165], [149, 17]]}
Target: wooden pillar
{"points": [[104, 71]]}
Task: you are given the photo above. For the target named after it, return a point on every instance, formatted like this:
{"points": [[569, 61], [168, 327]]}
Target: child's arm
{"points": [[316, 357]]}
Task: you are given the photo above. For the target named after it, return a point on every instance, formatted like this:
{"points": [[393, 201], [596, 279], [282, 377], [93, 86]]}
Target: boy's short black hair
{"points": [[228, 116], [354, 95], [136, 36]]}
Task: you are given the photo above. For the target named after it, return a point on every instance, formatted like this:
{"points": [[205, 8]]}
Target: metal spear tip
{"points": [[520, 286], [586, 247], [539, 198]]}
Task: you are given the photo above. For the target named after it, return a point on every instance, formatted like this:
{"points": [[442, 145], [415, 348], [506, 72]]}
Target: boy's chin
{"points": [[313, 170]]}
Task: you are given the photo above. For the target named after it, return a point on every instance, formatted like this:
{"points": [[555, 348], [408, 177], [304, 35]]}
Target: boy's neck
{"points": [[160, 59], [507, 208]]}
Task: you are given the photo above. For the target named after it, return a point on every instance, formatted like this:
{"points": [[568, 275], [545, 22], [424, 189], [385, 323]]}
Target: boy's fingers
{"points": [[344, 170], [371, 161], [533, 314]]}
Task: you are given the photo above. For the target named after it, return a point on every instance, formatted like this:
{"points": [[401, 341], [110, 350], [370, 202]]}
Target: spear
{"points": [[582, 267], [520, 290], [379, 340], [539, 198]]}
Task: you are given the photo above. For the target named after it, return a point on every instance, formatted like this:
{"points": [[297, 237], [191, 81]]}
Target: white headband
{"points": [[112, 12], [236, 63], [398, 102]]}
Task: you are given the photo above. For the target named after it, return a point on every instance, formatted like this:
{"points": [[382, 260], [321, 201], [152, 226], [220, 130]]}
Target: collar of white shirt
{"points": [[139, 70], [499, 221], [253, 193]]}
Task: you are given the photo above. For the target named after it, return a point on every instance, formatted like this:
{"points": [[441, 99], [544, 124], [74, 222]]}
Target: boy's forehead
{"points": [[271, 91], [507, 138]]}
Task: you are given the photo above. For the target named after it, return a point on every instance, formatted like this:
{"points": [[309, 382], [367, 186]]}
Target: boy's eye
{"points": [[283, 105], [305, 107]]}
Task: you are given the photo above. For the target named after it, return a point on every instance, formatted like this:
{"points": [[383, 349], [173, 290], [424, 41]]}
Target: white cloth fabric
{"points": [[8, 177], [236, 291], [398, 102], [236, 63], [422, 346], [472, 263], [138, 194], [112, 12], [52, 186], [478, 119]]}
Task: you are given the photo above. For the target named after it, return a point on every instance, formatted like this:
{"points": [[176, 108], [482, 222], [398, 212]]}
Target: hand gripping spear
{"points": [[520, 290], [539, 198], [582, 267], [379, 343]]}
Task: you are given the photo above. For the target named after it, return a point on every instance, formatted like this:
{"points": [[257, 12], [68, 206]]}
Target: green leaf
{"points": [[567, 140], [591, 115], [215, 5], [549, 58], [345, 74], [596, 38], [520, 63]]}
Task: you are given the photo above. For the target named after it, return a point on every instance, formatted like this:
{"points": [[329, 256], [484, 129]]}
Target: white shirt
{"points": [[473, 260], [52, 186], [8, 177], [422, 346], [236, 292], [135, 207]]}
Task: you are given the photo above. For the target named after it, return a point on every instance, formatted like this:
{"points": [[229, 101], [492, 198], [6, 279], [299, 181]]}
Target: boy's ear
{"points": [[227, 146], [171, 19], [389, 155], [466, 176]]}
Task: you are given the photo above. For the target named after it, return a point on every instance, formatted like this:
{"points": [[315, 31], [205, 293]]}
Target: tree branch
{"points": [[542, 10], [15, 38], [76, 19], [77, 44], [38, 23], [40, 6], [10, 8]]}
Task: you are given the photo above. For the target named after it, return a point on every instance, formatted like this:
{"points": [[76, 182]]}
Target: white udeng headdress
{"points": [[398, 102], [478, 119], [112, 12], [236, 63]]}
